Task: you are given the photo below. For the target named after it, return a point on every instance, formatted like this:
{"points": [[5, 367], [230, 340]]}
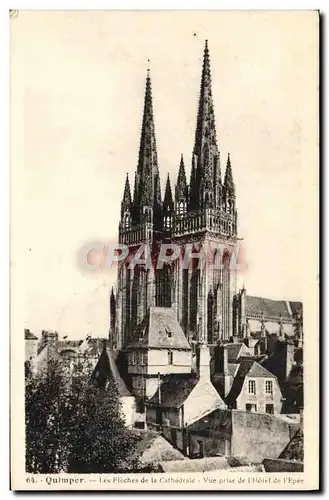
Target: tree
{"points": [[74, 426]]}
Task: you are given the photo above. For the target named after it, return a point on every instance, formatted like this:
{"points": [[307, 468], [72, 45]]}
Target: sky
{"points": [[77, 88]]}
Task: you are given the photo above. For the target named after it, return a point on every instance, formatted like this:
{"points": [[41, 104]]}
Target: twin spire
{"points": [[205, 190]]}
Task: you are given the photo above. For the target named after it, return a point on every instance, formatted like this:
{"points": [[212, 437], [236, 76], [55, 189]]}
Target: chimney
{"points": [[159, 388], [221, 357], [203, 361]]}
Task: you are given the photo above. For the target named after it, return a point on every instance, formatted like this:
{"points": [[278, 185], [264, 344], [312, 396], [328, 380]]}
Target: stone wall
{"points": [[257, 436]]}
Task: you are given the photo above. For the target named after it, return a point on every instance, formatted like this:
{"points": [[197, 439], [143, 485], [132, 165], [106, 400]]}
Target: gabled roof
{"points": [[174, 390], [29, 335], [235, 350], [153, 447], [216, 420], [246, 368], [159, 329], [232, 368], [106, 371], [295, 448], [269, 307]]}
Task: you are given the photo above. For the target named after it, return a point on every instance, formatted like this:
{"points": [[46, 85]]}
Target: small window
{"points": [[252, 387], [144, 358], [170, 358], [252, 408], [133, 358], [268, 387], [168, 331], [269, 409]]}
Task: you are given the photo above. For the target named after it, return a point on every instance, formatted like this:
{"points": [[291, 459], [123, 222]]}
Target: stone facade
{"points": [[260, 317]]}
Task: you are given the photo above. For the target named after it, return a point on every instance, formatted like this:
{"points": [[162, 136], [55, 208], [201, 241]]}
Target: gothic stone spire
{"points": [[168, 204], [181, 186], [205, 151], [229, 186], [126, 200], [147, 195]]}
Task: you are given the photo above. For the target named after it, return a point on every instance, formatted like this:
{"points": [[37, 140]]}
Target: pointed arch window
{"points": [[167, 221], [127, 221], [163, 287], [181, 207], [226, 295]]}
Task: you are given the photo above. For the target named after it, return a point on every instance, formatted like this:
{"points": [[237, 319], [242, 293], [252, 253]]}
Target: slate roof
{"points": [[29, 335], [159, 329], [232, 368], [156, 446], [175, 388], [217, 420], [68, 344], [296, 307], [235, 350], [107, 371], [295, 448], [250, 368], [270, 308]]}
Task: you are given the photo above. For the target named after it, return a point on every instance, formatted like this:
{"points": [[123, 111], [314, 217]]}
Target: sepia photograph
{"points": [[164, 184]]}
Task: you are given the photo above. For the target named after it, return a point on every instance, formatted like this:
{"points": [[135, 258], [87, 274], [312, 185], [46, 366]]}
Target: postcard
{"points": [[164, 250]]}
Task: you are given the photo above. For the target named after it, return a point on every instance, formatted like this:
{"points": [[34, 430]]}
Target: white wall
{"points": [[129, 409], [261, 399], [203, 399], [158, 361]]}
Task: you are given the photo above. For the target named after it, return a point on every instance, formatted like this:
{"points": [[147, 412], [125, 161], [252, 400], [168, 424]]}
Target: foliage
{"points": [[74, 426]]}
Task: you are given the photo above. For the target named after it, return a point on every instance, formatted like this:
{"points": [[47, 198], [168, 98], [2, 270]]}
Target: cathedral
{"points": [[201, 212]]}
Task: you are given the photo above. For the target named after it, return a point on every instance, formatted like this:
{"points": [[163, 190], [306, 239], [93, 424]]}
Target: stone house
{"points": [[181, 399], [254, 389], [156, 348], [105, 373], [50, 346], [286, 363], [244, 383]]}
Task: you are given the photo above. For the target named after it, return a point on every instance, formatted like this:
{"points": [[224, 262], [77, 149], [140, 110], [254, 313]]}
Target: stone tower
{"points": [[201, 214]]}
